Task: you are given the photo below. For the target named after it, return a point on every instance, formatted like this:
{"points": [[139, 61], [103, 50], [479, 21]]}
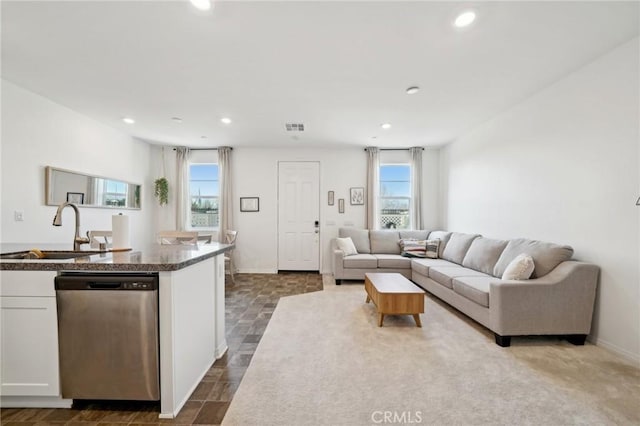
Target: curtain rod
{"points": [[393, 149], [203, 149]]}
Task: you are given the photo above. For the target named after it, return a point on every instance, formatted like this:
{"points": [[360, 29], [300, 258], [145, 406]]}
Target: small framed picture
{"points": [[75, 197], [341, 205], [249, 204], [330, 198], [357, 196]]}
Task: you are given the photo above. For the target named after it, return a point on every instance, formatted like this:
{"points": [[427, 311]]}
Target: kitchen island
{"points": [[191, 318]]}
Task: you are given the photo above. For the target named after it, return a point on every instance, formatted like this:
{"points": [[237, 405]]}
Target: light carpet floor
{"points": [[323, 361]]}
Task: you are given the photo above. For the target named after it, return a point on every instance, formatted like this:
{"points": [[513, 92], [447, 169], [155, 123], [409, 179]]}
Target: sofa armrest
{"points": [[338, 266], [560, 302]]}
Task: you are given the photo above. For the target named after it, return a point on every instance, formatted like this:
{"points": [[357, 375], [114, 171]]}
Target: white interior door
{"points": [[299, 216]]}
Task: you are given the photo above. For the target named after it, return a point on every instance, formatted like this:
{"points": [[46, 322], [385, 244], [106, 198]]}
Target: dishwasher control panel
{"points": [[137, 286]]}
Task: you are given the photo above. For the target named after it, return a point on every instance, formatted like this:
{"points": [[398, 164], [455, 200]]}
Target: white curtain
{"points": [[416, 187], [373, 187], [183, 198], [225, 204]]}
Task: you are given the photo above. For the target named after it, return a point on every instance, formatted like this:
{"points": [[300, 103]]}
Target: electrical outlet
{"points": [[18, 215]]}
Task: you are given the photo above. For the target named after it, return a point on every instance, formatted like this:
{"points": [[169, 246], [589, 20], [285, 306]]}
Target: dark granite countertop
{"points": [[152, 258]]}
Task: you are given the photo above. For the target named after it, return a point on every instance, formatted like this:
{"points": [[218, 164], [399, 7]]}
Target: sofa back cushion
{"points": [[360, 238], [443, 236], [483, 254], [457, 246], [546, 256], [414, 235], [385, 242]]}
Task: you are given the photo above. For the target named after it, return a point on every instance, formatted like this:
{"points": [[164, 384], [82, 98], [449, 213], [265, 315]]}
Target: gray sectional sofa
{"points": [[558, 299]]}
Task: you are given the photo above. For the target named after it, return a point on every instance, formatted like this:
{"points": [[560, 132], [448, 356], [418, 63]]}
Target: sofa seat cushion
{"points": [[422, 266], [445, 274], [457, 246], [483, 254], [385, 242], [360, 261], [393, 261], [360, 238], [475, 289], [546, 256]]}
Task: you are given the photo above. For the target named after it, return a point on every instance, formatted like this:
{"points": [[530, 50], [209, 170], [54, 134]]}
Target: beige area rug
{"points": [[324, 361]]}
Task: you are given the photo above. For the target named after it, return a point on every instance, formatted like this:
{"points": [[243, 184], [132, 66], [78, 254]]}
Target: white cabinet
{"points": [[29, 334]]}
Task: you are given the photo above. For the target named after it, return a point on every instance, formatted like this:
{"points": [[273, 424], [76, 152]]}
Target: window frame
{"points": [[409, 197], [190, 226]]}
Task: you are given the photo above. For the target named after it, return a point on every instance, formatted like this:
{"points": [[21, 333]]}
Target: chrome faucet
{"points": [[57, 221]]}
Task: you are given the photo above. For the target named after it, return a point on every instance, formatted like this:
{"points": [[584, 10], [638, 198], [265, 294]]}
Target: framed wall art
{"points": [[249, 204], [75, 197], [356, 196], [330, 198], [341, 205]]}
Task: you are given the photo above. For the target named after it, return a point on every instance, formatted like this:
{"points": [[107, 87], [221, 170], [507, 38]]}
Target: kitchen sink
{"points": [[48, 255]]}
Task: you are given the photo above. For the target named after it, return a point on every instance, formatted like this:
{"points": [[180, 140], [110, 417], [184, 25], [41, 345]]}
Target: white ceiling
{"points": [[341, 68]]}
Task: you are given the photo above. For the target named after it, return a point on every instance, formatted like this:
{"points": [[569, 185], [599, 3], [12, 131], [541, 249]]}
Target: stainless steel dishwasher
{"points": [[108, 335]]}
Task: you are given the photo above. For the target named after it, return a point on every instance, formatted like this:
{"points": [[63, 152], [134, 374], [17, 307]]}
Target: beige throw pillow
{"points": [[520, 268], [347, 246]]}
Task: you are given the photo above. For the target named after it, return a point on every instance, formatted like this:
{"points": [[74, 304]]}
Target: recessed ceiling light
{"points": [[385, 126], [226, 120], [465, 19], [413, 90], [177, 119], [201, 4], [128, 120]]}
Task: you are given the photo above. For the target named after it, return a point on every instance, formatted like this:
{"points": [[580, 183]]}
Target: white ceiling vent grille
{"points": [[294, 127]]}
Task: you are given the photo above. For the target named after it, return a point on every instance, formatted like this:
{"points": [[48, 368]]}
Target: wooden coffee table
{"points": [[393, 294]]}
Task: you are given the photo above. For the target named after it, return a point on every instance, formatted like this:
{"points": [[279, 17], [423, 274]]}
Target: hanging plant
{"points": [[162, 190], [161, 186]]}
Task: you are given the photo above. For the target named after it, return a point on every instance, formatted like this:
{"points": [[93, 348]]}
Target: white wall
{"points": [[563, 167], [255, 174], [36, 133]]}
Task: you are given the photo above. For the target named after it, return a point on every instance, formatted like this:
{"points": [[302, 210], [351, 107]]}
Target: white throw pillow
{"points": [[347, 246], [520, 268]]}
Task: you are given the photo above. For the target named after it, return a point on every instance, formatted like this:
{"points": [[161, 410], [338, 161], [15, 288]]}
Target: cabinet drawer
{"points": [[27, 283]]}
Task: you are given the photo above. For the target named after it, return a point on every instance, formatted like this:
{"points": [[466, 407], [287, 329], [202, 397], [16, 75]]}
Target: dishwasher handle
{"points": [[104, 286]]}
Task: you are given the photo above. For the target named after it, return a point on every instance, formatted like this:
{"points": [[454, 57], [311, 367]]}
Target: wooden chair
{"points": [[178, 237], [100, 237], [230, 238]]}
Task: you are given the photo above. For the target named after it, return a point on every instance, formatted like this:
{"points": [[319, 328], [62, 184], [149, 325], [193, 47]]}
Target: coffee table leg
{"points": [[380, 319], [417, 318]]}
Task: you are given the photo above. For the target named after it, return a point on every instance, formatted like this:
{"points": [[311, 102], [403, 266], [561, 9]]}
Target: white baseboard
{"points": [[35, 402], [629, 356]]}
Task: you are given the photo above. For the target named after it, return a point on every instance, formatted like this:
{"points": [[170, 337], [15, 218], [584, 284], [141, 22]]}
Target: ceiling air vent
{"points": [[294, 127]]}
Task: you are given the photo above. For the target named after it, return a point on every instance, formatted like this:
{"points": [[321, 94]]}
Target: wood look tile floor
{"points": [[249, 305]]}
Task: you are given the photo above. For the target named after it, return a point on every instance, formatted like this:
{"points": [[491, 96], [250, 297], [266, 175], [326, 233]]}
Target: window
{"points": [[205, 192], [114, 193], [395, 196]]}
